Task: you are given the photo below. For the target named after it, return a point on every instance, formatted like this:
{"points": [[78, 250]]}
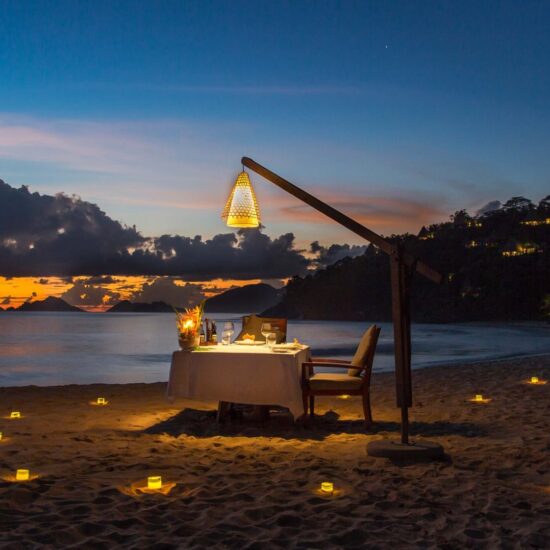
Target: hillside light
{"points": [[241, 209]]}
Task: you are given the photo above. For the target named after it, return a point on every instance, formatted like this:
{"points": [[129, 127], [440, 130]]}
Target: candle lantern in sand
{"points": [[536, 381], [345, 396], [327, 487], [154, 482], [189, 323], [480, 399], [22, 475], [1, 436], [15, 414], [101, 401]]}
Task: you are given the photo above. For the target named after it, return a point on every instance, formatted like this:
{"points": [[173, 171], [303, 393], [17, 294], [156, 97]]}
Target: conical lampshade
{"points": [[241, 208]]}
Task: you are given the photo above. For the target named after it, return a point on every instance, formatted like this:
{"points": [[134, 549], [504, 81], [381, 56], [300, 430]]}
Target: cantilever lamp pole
{"points": [[402, 267]]}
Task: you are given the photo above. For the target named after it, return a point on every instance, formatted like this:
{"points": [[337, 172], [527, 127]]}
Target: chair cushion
{"points": [[336, 382], [363, 350]]}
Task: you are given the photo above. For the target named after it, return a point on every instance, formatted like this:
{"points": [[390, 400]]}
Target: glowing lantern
{"points": [[101, 401], [327, 487], [15, 414], [154, 482], [345, 396], [189, 324], [22, 475], [479, 398], [1, 436], [534, 379], [241, 208]]}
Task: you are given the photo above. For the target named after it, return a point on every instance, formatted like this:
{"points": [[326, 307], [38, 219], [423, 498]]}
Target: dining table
{"points": [[240, 373]]}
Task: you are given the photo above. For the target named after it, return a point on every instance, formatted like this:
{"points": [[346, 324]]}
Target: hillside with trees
{"points": [[496, 267]]}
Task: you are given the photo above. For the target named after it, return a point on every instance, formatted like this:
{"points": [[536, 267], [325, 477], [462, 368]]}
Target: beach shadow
{"points": [[201, 423]]}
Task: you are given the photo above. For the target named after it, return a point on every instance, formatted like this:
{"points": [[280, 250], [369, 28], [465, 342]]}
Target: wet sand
{"points": [[250, 485]]}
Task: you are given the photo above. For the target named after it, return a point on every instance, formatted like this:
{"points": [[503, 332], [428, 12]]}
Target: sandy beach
{"points": [[250, 485]]}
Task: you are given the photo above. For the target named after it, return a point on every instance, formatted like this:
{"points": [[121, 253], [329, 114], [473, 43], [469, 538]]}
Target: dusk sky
{"points": [[399, 113]]}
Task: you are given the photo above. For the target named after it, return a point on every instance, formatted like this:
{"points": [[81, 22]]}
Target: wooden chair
{"points": [[356, 381], [252, 324]]}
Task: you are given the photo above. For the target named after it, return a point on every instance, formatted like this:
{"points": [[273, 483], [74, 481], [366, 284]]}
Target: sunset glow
{"points": [[16, 291]]}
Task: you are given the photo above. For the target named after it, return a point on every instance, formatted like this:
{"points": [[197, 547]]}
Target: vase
{"points": [[188, 343]]}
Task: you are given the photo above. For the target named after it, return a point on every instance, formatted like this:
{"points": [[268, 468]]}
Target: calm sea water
{"points": [[75, 348]]}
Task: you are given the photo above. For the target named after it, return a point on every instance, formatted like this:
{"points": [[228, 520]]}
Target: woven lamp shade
{"points": [[241, 208]]}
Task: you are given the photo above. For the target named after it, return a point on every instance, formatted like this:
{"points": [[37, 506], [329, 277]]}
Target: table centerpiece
{"points": [[188, 323]]}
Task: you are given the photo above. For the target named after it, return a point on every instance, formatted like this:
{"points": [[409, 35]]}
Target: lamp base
{"points": [[415, 450]]}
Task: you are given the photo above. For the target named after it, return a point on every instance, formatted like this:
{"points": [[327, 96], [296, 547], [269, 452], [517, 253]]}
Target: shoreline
{"points": [[250, 485], [434, 365]]}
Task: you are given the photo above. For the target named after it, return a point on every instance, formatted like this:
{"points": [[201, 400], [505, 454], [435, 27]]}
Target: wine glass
{"points": [[271, 339], [266, 329], [229, 329]]}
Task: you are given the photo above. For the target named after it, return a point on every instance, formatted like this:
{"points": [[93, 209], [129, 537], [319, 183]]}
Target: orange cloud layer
{"points": [[17, 290]]}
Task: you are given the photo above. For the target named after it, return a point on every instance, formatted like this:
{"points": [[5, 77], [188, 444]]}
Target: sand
{"points": [[246, 485]]}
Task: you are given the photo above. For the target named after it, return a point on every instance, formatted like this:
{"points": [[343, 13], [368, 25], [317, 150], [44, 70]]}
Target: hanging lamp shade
{"points": [[241, 208]]}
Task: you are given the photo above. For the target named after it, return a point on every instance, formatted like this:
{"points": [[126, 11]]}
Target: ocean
{"points": [[76, 348]]}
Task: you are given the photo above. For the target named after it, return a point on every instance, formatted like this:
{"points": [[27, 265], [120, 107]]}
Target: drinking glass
{"points": [[266, 329], [226, 337], [229, 327], [271, 339]]}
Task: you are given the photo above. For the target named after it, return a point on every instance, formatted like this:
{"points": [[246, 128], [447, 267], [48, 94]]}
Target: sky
{"points": [[398, 113]]}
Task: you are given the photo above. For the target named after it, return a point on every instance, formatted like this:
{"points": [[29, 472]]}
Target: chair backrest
{"points": [[364, 355], [252, 324]]}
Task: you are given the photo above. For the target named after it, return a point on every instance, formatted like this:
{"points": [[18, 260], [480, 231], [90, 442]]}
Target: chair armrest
{"points": [[340, 365], [325, 360]]}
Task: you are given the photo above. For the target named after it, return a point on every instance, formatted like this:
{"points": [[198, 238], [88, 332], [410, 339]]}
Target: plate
{"points": [[241, 343]]}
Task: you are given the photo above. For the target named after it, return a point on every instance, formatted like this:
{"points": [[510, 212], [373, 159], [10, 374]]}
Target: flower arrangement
{"points": [[188, 323]]}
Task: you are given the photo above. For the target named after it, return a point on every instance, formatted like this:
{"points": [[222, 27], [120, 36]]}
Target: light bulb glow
{"points": [[22, 475], [154, 482], [241, 208]]}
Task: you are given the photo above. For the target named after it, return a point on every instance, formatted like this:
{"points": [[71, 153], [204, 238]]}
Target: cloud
{"points": [[100, 280], [82, 294], [167, 290], [60, 235], [393, 214], [6, 300], [328, 255], [262, 90], [42, 235], [489, 207]]}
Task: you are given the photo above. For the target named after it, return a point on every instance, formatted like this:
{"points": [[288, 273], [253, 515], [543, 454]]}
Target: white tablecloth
{"points": [[253, 375]]}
